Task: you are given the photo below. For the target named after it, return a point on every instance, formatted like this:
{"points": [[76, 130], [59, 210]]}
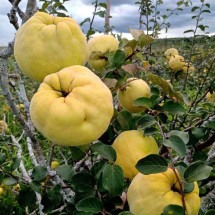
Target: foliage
{"points": [[178, 116]]}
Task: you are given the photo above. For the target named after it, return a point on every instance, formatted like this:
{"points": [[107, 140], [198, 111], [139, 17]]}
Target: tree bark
{"points": [[107, 17]]}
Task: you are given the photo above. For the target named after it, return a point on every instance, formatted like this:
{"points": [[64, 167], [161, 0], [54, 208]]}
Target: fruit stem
{"points": [[123, 86], [181, 188], [51, 153]]}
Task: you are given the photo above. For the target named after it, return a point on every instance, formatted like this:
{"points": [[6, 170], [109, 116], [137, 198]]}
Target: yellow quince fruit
{"points": [[3, 127], [16, 187], [98, 47], [130, 147], [170, 52], [72, 107], [46, 44], [188, 68], [54, 164], [210, 97], [176, 62], [133, 89], [2, 191], [150, 194]]}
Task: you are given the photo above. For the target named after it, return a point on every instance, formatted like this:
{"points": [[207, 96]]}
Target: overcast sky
{"points": [[124, 15]]}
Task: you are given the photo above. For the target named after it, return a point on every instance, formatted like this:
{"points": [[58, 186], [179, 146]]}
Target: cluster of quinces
{"points": [[73, 107]]}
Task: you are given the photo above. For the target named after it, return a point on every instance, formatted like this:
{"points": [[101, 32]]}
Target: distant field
{"points": [[202, 42]]}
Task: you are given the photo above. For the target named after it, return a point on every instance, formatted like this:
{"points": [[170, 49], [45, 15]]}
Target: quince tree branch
{"points": [[12, 104], [12, 15], [25, 173], [30, 10], [107, 17]]}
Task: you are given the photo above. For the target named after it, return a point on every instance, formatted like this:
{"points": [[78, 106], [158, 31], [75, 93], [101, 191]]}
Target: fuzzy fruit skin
{"points": [[46, 44], [54, 164], [188, 68], [176, 62], [170, 52], [2, 191], [98, 46], [72, 107], [150, 194], [134, 89], [210, 97], [130, 147]]}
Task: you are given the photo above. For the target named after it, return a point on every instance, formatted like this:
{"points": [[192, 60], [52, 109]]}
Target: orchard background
{"points": [[179, 115]]}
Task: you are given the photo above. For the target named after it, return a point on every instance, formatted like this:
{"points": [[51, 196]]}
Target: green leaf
{"points": [[113, 179], [104, 5], [201, 27], [54, 195], [36, 186], [89, 205], [151, 131], [39, 173], [81, 184], [2, 157], [206, 11], [16, 163], [126, 120], [177, 144], [188, 187], [194, 8], [210, 124], [9, 181], [100, 14], [208, 5], [145, 40], [199, 133], [181, 168], [189, 31], [97, 168], [118, 58], [210, 212], [173, 108], [131, 44], [65, 171], [105, 151], [166, 87], [85, 20], [77, 153], [197, 171], [90, 32], [26, 197], [183, 135], [143, 101], [173, 210], [152, 164], [146, 121]]}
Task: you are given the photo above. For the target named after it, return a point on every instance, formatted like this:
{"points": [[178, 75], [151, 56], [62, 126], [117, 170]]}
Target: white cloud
{"points": [[7, 31], [124, 14]]}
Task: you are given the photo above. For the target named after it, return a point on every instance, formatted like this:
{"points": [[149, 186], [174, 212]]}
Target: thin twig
{"points": [[51, 153], [92, 20]]}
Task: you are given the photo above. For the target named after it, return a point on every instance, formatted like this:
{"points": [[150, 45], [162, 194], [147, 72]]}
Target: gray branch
{"points": [[30, 10], [25, 173], [12, 104]]}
